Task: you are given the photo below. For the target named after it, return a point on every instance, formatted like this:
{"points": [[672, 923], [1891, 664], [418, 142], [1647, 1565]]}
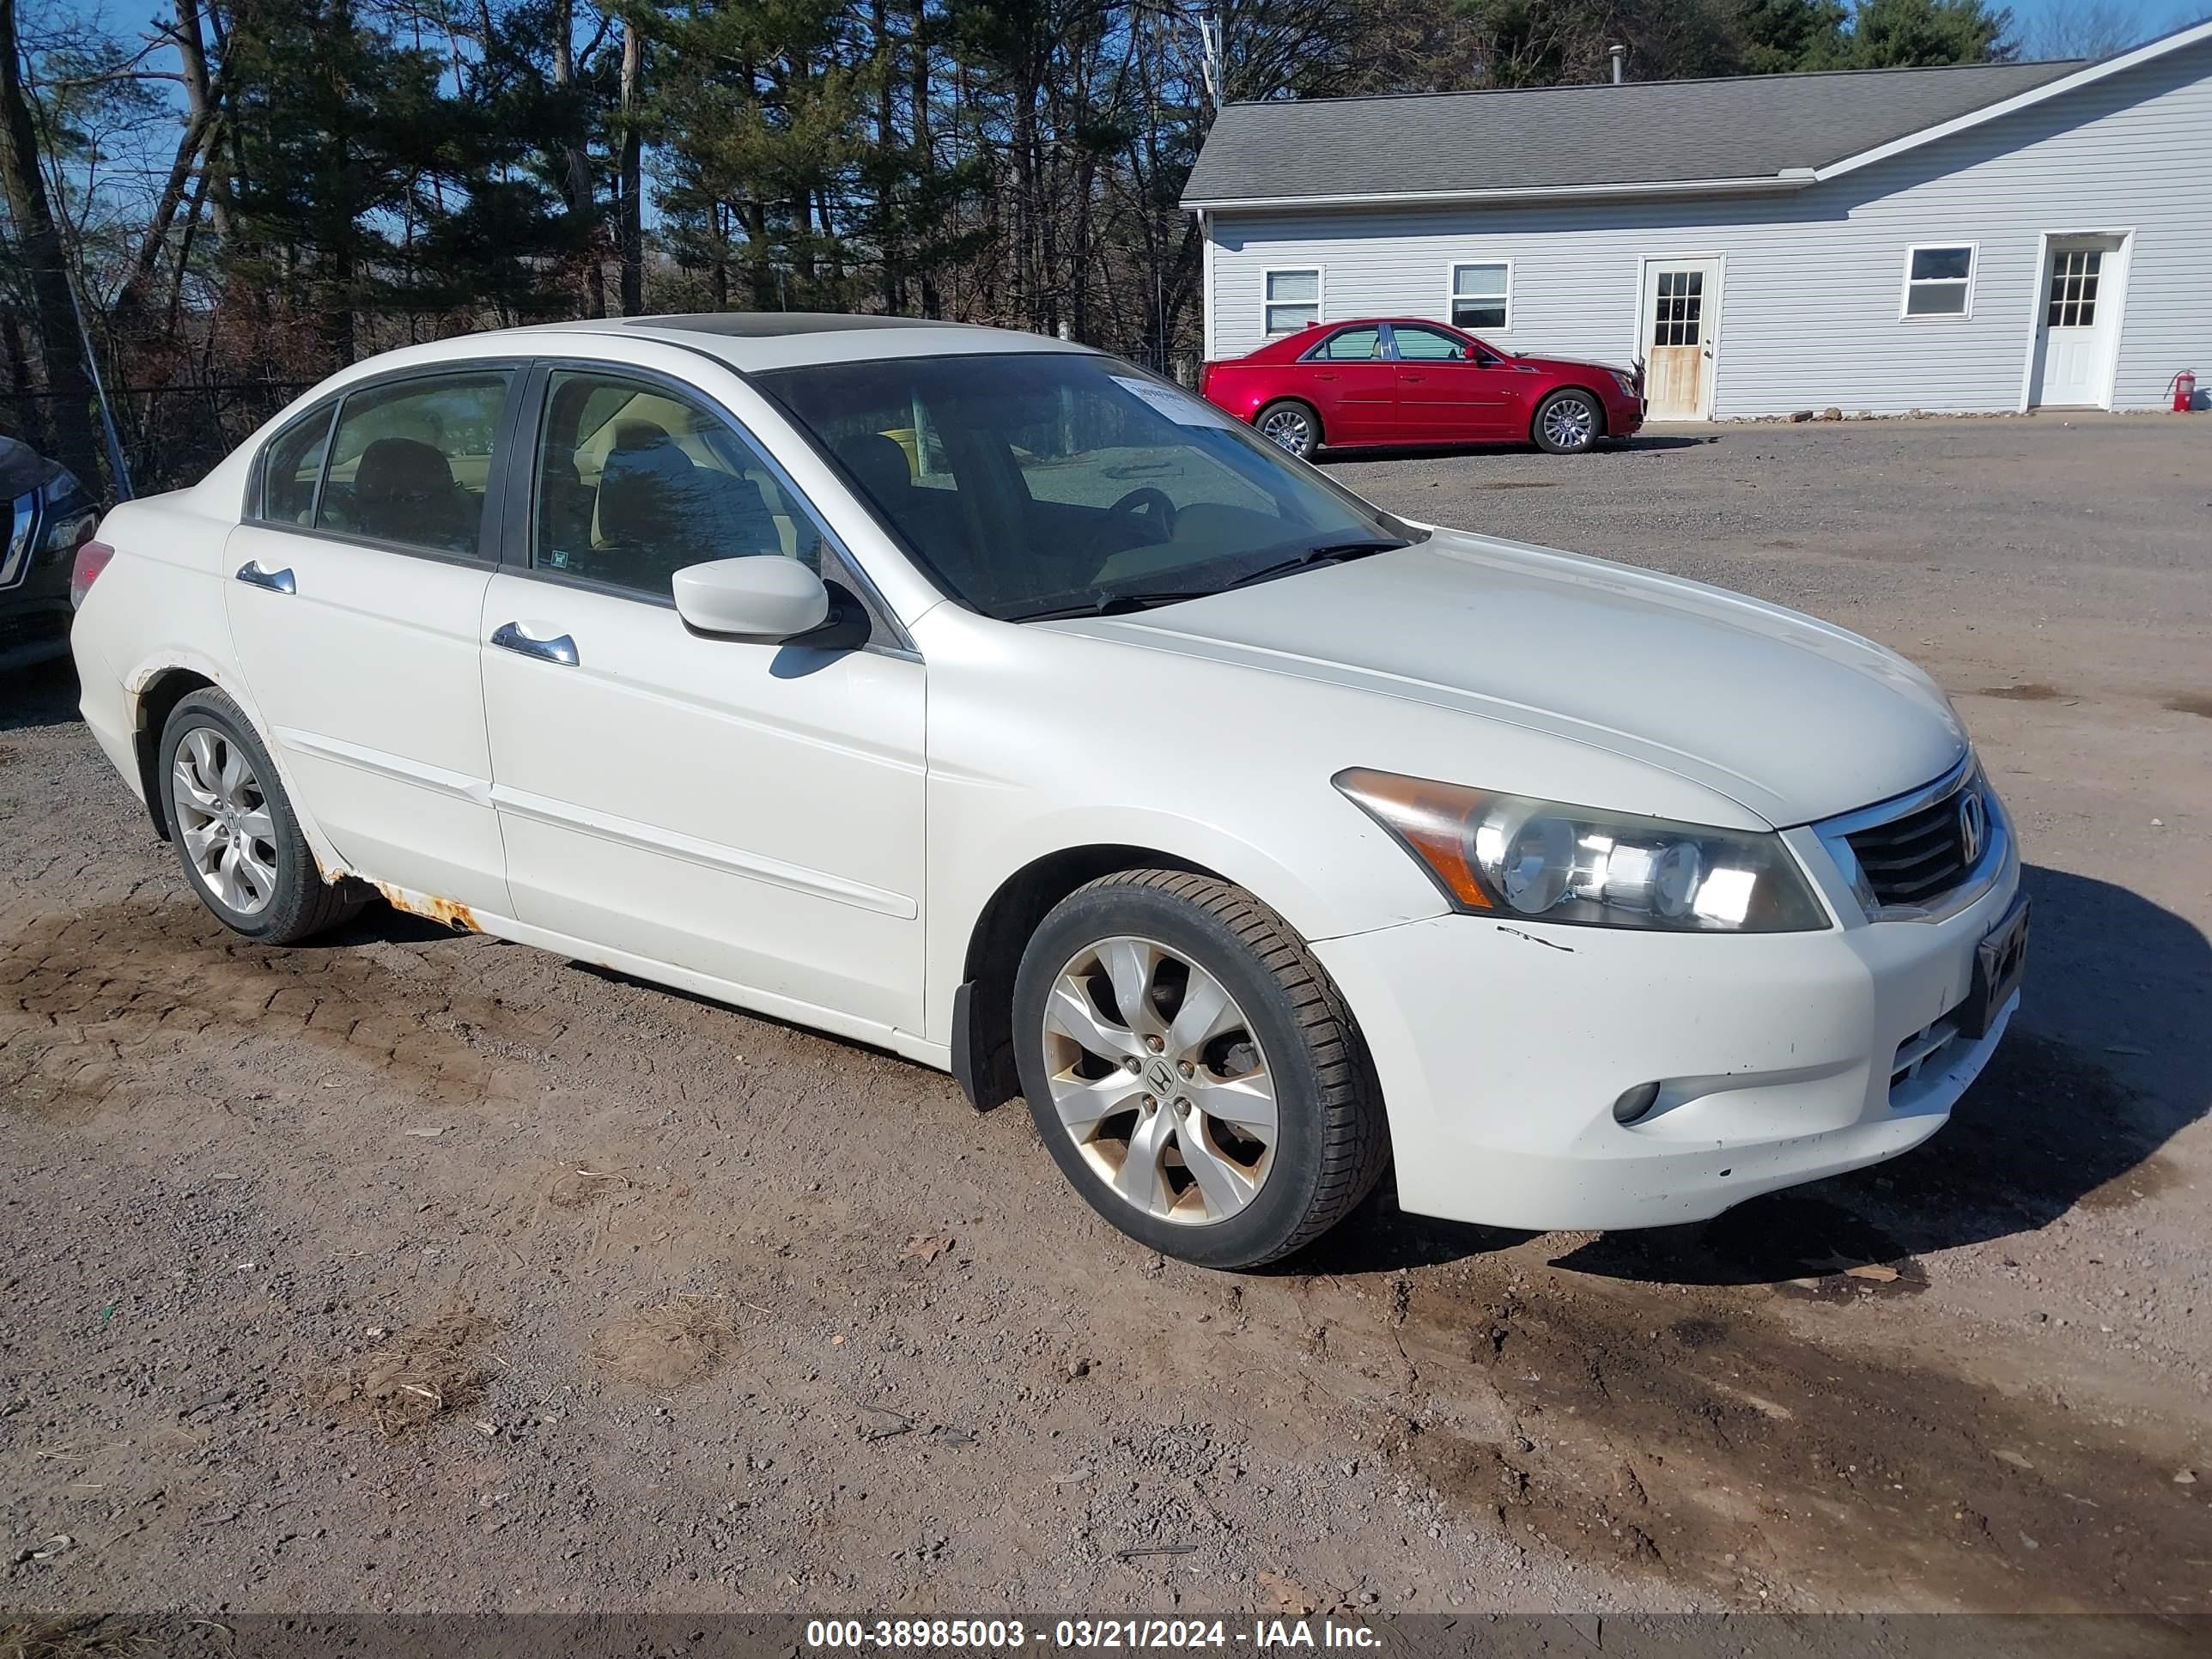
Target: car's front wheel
{"points": [[1194, 1071], [1568, 423], [1291, 425], [234, 831]]}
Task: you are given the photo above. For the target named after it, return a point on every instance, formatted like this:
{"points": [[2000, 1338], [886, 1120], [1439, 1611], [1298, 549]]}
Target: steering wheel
{"points": [[1154, 504]]}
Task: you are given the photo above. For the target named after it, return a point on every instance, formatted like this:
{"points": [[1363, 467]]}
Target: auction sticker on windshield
{"points": [[1178, 406]]}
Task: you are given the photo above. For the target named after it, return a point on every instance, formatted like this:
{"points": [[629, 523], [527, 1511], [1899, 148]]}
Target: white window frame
{"points": [[1907, 314], [1452, 296], [1320, 299]]}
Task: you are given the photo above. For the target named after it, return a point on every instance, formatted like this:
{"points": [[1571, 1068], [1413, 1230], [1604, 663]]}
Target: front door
{"points": [[1355, 387], [354, 593], [744, 812], [2075, 333], [1680, 333], [1451, 391]]}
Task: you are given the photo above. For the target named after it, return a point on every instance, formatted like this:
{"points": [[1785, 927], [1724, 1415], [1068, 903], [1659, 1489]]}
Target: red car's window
{"points": [[1428, 344], [1348, 344]]}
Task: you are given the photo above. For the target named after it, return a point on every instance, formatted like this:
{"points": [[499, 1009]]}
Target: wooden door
{"points": [[1681, 300]]}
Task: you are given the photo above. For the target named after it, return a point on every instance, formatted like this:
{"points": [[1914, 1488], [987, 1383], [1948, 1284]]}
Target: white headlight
{"points": [[1497, 853]]}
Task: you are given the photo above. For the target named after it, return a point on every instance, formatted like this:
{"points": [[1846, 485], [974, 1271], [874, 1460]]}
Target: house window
{"points": [[1938, 281], [1293, 300], [2074, 273], [1482, 297]]}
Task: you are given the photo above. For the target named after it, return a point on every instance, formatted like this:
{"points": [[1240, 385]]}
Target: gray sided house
{"points": [[1995, 237]]}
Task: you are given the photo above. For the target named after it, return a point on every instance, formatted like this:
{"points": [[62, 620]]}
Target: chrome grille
{"points": [[1912, 860]]}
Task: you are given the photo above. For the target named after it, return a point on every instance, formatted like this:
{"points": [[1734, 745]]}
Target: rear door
{"points": [[1353, 385], [357, 584], [746, 812], [1450, 391]]}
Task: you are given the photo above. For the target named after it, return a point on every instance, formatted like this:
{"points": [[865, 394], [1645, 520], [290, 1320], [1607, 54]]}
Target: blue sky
{"points": [[2144, 18]]}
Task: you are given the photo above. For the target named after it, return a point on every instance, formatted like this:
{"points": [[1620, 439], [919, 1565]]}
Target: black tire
{"points": [[1291, 425], [1568, 423], [301, 904], [1333, 1142]]}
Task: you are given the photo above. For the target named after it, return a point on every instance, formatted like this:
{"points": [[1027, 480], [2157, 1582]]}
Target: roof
{"points": [[755, 340], [770, 325], [1764, 132]]}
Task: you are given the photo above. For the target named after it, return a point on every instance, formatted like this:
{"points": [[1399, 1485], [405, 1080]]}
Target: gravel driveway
{"points": [[414, 1270]]}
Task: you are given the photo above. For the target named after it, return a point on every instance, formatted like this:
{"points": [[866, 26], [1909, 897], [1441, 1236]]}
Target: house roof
{"points": [[1749, 132]]}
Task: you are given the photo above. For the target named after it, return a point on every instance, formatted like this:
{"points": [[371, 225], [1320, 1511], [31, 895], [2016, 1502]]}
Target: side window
{"points": [[634, 482], [1938, 281], [1291, 300], [1482, 297], [1351, 344], [1427, 344], [409, 462], [291, 467]]}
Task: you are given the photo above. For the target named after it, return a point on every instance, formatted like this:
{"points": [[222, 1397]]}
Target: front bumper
{"points": [[1501, 1048]]}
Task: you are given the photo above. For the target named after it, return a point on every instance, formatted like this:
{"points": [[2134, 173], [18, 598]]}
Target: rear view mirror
{"points": [[752, 598]]}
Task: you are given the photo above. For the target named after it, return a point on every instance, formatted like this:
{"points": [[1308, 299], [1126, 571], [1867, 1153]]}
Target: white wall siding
{"points": [[1812, 282]]}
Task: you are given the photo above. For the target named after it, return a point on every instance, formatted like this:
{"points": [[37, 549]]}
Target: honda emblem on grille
{"points": [[1973, 826]]}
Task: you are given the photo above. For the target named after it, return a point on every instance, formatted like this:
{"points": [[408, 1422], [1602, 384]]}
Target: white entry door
{"points": [[2079, 328], [1680, 334]]}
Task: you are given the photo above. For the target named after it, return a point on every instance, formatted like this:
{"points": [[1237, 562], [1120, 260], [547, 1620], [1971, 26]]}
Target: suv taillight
{"points": [[91, 559]]}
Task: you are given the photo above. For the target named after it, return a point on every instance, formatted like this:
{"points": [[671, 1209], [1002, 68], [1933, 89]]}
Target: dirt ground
{"points": [[415, 1271]]}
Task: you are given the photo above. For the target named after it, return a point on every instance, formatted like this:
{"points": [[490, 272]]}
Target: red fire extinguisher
{"points": [[2184, 391]]}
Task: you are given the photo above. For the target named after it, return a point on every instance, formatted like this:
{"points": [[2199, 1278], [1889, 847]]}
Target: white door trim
{"points": [[1640, 323], [2039, 297]]}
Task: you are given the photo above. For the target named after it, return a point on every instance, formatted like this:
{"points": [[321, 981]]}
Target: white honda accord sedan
{"points": [[985, 698]]}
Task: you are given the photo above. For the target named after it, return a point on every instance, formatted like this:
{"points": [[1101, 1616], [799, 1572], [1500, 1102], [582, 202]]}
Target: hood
{"points": [[1792, 719], [1570, 366]]}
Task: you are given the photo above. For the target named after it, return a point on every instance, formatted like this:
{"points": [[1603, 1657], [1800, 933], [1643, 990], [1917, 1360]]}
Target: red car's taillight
{"points": [[91, 559]]}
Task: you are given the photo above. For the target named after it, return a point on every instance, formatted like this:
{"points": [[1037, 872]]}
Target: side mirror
{"points": [[763, 597]]}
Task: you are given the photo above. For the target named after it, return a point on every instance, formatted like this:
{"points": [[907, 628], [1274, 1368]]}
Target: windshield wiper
{"points": [[1115, 604], [1333, 553], [1112, 604]]}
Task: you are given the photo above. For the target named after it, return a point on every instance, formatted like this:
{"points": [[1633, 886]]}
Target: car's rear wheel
{"points": [[1568, 423], [1193, 1069], [1291, 425], [234, 831]]}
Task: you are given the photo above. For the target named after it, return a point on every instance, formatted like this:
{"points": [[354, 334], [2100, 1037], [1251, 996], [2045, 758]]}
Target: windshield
{"points": [[1059, 482]]}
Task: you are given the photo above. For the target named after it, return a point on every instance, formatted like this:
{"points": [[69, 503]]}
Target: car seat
{"points": [[404, 491], [659, 511]]}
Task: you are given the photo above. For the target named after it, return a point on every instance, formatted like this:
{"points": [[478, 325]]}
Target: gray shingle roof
{"points": [[1643, 132]]}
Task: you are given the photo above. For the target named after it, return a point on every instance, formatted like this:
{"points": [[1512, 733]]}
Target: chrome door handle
{"points": [[509, 636], [277, 581]]}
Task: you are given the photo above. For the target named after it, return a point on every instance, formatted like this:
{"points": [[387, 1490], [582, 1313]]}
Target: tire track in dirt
{"points": [[1697, 1432], [92, 1002]]}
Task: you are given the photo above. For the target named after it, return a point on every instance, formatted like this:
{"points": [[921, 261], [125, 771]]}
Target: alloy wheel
{"points": [[1159, 1079], [1570, 424], [224, 821], [1289, 429]]}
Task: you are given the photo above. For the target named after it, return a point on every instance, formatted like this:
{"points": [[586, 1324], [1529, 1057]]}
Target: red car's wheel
{"points": [[1290, 424], [1568, 423]]}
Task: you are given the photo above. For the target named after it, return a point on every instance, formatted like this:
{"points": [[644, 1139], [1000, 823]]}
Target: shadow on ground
{"points": [[2047, 1127], [44, 695]]}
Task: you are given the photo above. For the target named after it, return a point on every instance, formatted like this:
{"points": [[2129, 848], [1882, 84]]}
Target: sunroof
{"points": [[767, 325]]}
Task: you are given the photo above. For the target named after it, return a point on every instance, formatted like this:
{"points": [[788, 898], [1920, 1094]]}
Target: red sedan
{"points": [[1403, 380]]}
